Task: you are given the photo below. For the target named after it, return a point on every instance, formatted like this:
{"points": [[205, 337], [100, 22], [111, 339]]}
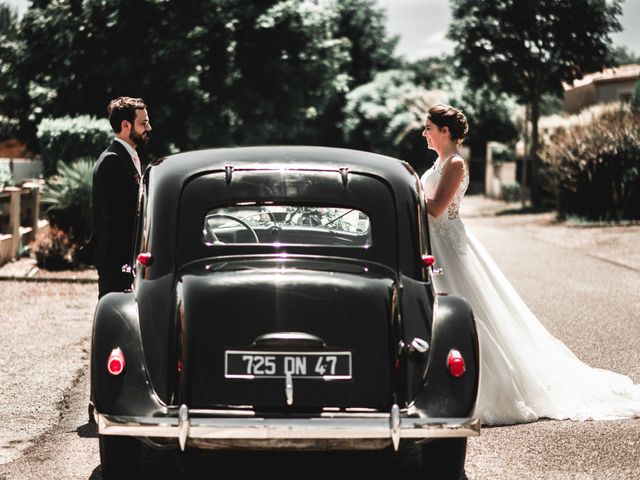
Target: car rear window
{"points": [[280, 224]]}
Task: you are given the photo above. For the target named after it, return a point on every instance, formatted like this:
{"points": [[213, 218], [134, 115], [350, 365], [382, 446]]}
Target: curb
{"points": [[16, 278]]}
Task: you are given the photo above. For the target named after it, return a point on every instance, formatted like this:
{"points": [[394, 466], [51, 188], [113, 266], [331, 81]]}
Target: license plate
{"points": [[315, 365]]}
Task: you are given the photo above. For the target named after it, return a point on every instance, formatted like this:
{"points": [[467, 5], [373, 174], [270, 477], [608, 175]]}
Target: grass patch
{"points": [[582, 222]]}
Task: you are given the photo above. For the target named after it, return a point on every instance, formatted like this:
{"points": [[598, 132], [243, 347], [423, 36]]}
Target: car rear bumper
{"points": [[242, 429]]}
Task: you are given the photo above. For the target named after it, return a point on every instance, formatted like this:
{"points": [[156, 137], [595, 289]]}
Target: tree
{"points": [[286, 66], [76, 56], [635, 97], [528, 47], [370, 47], [8, 20], [230, 72], [8, 34], [488, 112], [386, 116], [361, 25], [435, 72], [489, 116], [623, 56]]}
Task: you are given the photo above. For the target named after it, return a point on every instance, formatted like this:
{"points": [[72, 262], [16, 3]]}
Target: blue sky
{"points": [[423, 24]]}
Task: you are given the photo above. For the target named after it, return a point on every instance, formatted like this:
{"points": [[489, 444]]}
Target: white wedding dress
{"points": [[526, 373]]}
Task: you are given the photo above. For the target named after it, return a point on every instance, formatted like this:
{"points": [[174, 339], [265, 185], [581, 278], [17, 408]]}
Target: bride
{"points": [[526, 373]]}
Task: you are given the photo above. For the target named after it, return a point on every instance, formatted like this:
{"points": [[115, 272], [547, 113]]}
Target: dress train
{"points": [[526, 372]]}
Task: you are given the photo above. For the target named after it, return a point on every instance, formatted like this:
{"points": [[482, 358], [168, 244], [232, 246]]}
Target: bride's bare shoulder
{"points": [[457, 160], [455, 164]]}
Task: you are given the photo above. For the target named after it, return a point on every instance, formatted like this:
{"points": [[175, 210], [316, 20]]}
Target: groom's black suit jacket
{"points": [[115, 197]]}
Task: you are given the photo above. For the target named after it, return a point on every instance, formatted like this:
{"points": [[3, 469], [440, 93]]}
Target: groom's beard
{"points": [[139, 140]]}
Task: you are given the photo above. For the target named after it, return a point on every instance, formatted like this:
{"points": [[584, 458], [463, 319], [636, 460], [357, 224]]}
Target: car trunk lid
{"points": [[301, 334]]}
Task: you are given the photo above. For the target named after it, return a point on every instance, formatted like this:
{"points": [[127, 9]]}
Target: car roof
{"points": [[181, 166], [168, 177]]}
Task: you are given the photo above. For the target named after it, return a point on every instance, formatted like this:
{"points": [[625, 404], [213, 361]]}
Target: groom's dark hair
{"points": [[123, 108]]}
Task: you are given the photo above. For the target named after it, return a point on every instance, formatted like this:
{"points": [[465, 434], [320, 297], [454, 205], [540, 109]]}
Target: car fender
{"points": [[443, 395], [116, 325]]}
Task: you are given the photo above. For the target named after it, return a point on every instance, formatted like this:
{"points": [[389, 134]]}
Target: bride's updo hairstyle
{"points": [[452, 118]]}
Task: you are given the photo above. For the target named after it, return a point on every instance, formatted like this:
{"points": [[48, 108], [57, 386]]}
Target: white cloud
{"points": [[421, 25], [432, 45]]}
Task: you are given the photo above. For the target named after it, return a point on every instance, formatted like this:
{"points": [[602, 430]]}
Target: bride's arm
{"points": [[452, 175]]}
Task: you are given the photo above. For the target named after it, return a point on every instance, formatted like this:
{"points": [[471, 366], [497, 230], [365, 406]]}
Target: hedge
{"points": [[68, 138], [591, 163]]}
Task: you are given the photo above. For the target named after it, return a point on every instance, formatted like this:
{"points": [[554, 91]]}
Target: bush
{"points": [[510, 192], [66, 139], [635, 97], [6, 179], [54, 250], [8, 127], [385, 116], [69, 195], [502, 153], [592, 164]]}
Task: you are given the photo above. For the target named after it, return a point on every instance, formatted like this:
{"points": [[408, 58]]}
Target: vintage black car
{"points": [[283, 299]]}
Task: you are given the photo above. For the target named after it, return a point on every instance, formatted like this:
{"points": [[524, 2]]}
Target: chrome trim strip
{"points": [[344, 427], [288, 389], [247, 411], [183, 426], [394, 424]]}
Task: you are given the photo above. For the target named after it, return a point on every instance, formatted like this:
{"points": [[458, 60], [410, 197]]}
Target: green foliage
{"points": [[510, 192], [6, 178], [526, 48], [434, 72], [66, 139], [54, 250], [230, 72], [623, 56], [592, 164], [8, 127], [69, 195], [489, 115], [502, 153], [635, 97], [8, 34], [287, 66], [8, 20], [386, 116], [551, 104], [361, 25]]}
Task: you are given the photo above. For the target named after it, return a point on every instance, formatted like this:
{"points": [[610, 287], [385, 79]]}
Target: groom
{"points": [[116, 180]]}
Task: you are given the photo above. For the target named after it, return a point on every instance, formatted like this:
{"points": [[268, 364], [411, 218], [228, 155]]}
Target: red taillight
{"points": [[145, 259], [116, 363], [455, 363], [428, 260]]}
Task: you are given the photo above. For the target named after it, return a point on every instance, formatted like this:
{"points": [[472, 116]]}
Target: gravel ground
{"points": [[44, 345], [27, 269]]}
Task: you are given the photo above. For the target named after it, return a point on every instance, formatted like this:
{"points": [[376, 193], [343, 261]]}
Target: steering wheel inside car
{"points": [[244, 224]]}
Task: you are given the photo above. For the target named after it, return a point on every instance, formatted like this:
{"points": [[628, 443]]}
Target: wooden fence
{"points": [[19, 219]]}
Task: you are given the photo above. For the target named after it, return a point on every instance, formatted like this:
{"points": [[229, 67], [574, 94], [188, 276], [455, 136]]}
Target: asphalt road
{"points": [[588, 301], [593, 306]]}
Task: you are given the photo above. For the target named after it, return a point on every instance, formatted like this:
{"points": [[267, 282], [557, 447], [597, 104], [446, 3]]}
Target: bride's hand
{"points": [[452, 176]]}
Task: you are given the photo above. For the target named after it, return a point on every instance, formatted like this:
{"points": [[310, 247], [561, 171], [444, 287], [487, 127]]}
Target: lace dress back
{"points": [[448, 226], [526, 373]]}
